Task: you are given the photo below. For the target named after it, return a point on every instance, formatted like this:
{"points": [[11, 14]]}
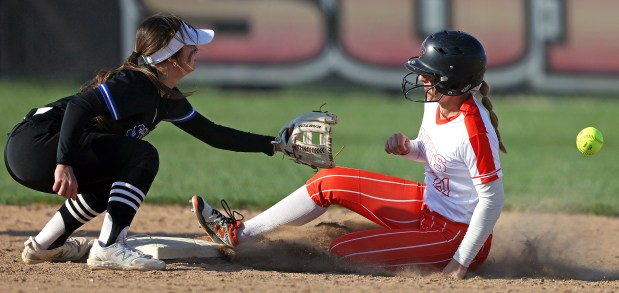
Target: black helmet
{"points": [[456, 59]]}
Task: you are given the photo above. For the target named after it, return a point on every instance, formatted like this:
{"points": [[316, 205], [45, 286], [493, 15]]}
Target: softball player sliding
{"points": [[93, 139], [445, 222]]}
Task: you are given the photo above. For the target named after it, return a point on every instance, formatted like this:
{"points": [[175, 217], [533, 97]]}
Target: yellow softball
{"points": [[589, 141]]}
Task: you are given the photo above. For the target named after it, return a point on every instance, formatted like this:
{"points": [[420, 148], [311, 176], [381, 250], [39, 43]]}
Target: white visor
{"points": [[188, 36]]}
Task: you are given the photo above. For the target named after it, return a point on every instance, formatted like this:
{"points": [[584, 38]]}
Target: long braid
{"points": [[484, 90]]}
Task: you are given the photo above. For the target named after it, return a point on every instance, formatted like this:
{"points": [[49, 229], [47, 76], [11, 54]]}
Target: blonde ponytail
{"points": [[484, 90]]}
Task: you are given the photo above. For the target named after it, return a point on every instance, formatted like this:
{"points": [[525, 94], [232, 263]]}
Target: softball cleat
{"points": [[220, 228], [120, 256], [72, 250]]}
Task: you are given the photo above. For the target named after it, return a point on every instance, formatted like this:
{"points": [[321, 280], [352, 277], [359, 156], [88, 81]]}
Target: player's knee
{"points": [[321, 186], [323, 173], [146, 157], [326, 174]]}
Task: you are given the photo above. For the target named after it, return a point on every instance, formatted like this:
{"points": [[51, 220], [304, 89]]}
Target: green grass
{"points": [[543, 171]]}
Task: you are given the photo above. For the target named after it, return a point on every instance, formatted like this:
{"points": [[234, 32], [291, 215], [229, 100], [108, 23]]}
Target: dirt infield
{"points": [[531, 253]]}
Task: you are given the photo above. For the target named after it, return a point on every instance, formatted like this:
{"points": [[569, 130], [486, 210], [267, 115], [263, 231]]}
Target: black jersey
{"points": [[133, 106]]}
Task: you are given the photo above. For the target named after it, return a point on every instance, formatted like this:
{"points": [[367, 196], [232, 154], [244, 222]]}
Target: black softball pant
{"points": [[100, 160]]}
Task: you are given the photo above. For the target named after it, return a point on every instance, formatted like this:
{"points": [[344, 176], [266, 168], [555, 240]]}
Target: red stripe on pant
{"points": [[414, 235]]}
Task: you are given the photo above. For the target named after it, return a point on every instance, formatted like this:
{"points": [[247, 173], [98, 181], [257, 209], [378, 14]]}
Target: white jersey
{"points": [[461, 152]]}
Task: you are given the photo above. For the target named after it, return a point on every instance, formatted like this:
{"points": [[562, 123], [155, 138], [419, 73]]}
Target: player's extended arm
{"points": [[485, 216], [226, 138]]}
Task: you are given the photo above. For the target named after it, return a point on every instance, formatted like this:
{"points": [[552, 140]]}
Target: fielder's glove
{"points": [[307, 139]]}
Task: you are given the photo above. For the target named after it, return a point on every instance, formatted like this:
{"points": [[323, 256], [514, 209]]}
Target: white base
{"points": [[174, 247]]}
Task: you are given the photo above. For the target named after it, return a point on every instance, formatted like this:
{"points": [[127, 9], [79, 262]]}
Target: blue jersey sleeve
{"points": [[178, 111], [127, 93]]}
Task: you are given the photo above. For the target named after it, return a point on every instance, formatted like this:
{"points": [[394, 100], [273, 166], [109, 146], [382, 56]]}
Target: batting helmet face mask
{"points": [[455, 60]]}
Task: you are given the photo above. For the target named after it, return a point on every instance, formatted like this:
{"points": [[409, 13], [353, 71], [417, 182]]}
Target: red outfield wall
{"points": [[561, 46], [549, 45]]}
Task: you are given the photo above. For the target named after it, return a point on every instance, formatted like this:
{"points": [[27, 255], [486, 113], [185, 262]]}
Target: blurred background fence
{"points": [[548, 46]]}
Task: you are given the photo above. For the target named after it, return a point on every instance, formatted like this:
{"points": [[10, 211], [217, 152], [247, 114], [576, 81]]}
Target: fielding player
{"points": [[445, 222], [94, 139]]}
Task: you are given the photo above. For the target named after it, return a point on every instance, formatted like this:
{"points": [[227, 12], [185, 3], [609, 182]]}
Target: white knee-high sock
{"points": [[52, 230], [106, 231], [296, 209], [69, 217]]}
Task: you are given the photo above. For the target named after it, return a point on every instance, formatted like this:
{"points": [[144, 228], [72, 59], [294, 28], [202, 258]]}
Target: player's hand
{"points": [[455, 270], [277, 147], [65, 183], [397, 144]]}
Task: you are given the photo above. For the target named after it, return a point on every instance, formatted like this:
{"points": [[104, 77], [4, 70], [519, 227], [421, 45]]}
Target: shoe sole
{"points": [[108, 265], [198, 206], [37, 261], [31, 261]]}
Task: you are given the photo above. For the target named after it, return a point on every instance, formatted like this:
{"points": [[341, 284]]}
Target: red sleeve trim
{"points": [[478, 137]]}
